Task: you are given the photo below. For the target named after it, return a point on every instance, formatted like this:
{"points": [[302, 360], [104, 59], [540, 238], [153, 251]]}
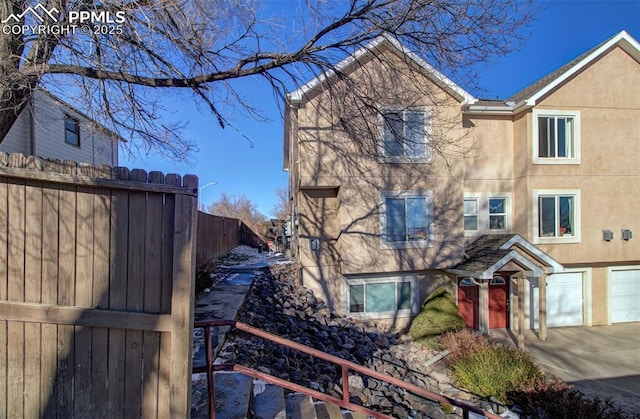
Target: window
{"points": [[405, 220], [380, 297], [71, 131], [486, 212], [471, 214], [404, 135], [556, 137], [557, 215], [497, 214]]}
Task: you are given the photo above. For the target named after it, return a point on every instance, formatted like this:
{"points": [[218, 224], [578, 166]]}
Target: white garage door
{"points": [[564, 300], [624, 296]]}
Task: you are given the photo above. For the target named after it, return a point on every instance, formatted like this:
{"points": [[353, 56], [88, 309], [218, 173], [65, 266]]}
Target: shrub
{"points": [[494, 371], [439, 315], [542, 398], [462, 343]]}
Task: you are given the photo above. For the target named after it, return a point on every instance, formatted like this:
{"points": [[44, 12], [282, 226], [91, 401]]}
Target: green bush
{"points": [[494, 371], [439, 315]]}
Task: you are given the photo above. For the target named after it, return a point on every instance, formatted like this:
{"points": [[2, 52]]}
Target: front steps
{"points": [[239, 396]]}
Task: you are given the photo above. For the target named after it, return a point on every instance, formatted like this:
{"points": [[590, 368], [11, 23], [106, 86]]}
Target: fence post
{"points": [[184, 260]]}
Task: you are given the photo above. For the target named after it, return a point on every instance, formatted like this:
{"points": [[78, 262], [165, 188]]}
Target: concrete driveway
{"points": [[599, 360]]}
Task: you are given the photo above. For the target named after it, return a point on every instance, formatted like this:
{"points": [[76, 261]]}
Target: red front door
{"points": [[499, 303], [468, 299]]}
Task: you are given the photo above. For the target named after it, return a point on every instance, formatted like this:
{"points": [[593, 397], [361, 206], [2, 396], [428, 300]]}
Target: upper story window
{"points": [[404, 135], [497, 213], [556, 137], [71, 131], [558, 216], [486, 212], [471, 214], [406, 220]]}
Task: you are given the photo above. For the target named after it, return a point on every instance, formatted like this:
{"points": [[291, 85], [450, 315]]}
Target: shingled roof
{"points": [[490, 252]]}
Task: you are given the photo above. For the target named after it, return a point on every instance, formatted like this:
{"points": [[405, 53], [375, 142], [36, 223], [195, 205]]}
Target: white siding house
{"points": [[51, 128]]}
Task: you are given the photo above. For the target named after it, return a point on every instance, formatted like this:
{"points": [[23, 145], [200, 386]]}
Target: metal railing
{"points": [[345, 365]]}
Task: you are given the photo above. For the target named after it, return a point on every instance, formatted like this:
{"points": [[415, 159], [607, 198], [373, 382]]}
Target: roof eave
{"points": [[622, 39]]}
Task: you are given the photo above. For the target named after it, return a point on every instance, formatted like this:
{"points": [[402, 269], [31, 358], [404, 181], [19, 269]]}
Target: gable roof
{"points": [[370, 48], [529, 96], [490, 252]]}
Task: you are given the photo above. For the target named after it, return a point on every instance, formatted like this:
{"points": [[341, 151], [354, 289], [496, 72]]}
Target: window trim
{"points": [[411, 279], [77, 133], [427, 143], [418, 244], [536, 114], [484, 215], [477, 214], [537, 194]]}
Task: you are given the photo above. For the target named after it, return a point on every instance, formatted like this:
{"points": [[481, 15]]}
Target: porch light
{"points": [[607, 235], [626, 234]]}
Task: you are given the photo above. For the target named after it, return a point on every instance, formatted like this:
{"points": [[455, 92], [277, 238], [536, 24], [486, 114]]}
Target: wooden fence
{"points": [[97, 270], [217, 235]]}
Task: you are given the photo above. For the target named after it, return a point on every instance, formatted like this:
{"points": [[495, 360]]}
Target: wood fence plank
{"points": [[32, 293], [4, 344], [100, 337], [182, 304], [164, 388], [118, 299], [135, 297], [15, 292], [152, 299], [83, 298], [49, 357], [66, 290]]}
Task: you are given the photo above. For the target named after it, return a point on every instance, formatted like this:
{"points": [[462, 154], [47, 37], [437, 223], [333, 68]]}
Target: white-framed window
{"points": [[497, 213], [471, 214], [557, 216], [486, 212], [71, 131], [379, 297], [406, 219], [405, 135], [556, 137]]}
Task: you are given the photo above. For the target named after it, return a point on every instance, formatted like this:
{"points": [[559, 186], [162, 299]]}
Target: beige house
{"points": [[527, 209], [48, 127]]}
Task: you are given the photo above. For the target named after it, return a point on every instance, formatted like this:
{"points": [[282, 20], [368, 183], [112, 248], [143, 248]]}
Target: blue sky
{"points": [[562, 30]]}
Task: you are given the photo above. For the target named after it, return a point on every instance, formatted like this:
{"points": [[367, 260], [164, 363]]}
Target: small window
{"points": [[404, 135], [380, 297], [71, 131], [467, 282], [471, 214], [556, 137], [497, 214], [498, 280]]}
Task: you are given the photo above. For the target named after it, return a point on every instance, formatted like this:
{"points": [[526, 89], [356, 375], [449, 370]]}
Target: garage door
{"points": [[564, 300], [624, 296]]}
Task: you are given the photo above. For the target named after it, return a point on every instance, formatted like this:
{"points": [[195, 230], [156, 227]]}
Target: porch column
{"points": [[483, 306], [542, 307], [520, 313]]}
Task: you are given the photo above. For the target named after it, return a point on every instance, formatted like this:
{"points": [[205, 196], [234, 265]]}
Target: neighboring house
{"points": [[540, 190], [50, 128]]}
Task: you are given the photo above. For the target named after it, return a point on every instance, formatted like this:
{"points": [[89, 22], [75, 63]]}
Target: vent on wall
{"points": [[607, 235], [626, 235]]}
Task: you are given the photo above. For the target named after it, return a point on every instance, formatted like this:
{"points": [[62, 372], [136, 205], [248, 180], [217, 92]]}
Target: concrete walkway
{"points": [[599, 361]]}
